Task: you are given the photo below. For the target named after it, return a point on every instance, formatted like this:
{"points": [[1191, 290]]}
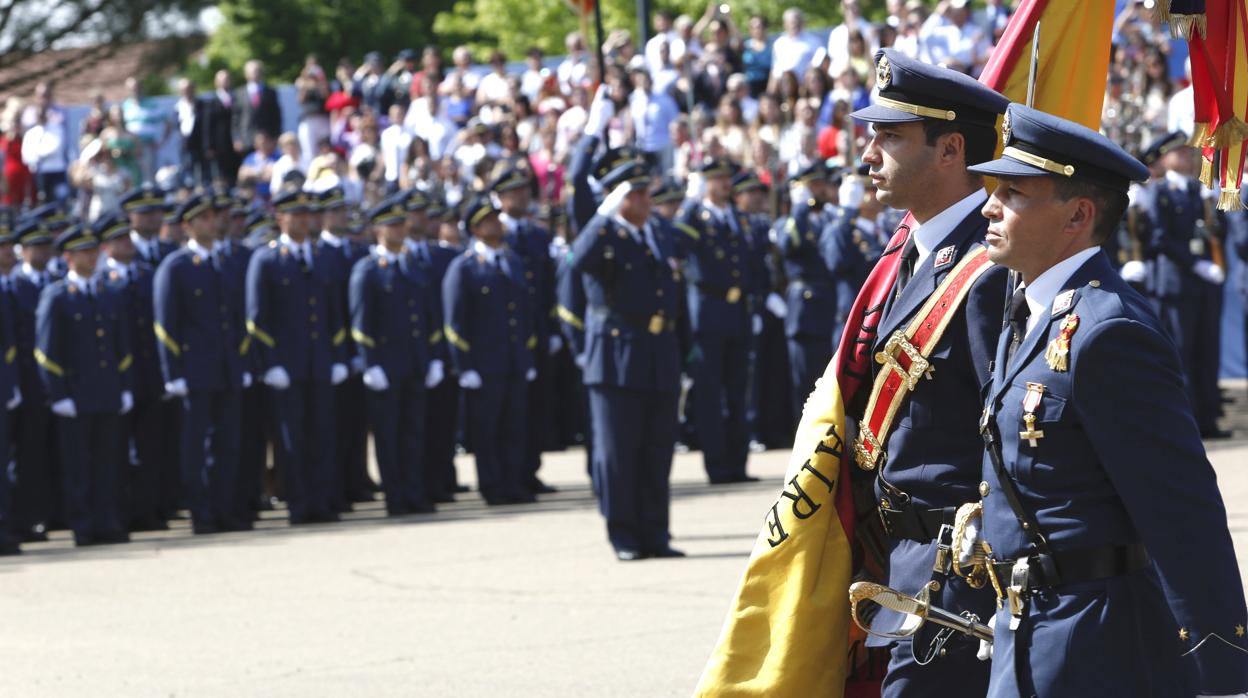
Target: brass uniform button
{"points": [[984, 489], [99, 333], [1094, 283]]}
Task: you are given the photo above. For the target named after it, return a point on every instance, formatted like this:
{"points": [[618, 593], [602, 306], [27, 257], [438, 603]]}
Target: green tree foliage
{"points": [[282, 32]]}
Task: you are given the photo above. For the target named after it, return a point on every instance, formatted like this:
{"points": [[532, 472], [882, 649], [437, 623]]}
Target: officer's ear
{"points": [[951, 149], [1082, 219]]}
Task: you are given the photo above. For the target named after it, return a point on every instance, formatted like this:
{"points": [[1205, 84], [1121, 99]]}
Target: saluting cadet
{"points": [[492, 336], [10, 386], [632, 364], [532, 243], [768, 414], [145, 207], [1178, 250], [82, 339], [202, 351], [296, 323], [848, 250], [435, 256], [36, 496], [145, 453], [717, 266], [917, 431], [351, 479], [810, 315], [398, 334], [1108, 534]]}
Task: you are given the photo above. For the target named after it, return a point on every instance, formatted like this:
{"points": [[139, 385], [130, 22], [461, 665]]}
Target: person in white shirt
{"points": [[792, 50], [462, 58], [663, 35], [838, 38], [46, 152], [571, 123], [651, 114], [288, 143], [396, 141], [534, 76], [426, 120], [574, 70], [494, 87]]}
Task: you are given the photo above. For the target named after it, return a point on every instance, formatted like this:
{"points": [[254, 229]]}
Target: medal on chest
{"points": [[1058, 353], [1031, 400]]}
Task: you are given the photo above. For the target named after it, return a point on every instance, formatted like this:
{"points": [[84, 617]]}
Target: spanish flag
{"points": [[788, 631]]}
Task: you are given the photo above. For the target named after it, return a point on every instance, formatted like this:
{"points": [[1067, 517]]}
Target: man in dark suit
{"points": [[217, 131], [255, 110]]}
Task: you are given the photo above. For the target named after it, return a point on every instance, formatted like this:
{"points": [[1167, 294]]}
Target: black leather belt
{"points": [[911, 523], [1076, 566], [654, 324]]}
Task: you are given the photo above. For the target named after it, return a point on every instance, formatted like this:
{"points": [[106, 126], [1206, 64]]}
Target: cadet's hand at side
{"points": [[177, 387], [1209, 271], [15, 400], [776, 305], [338, 373], [65, 408], [277, 378], [470, 380], [375, 379], [127, 401], [435, 374]]}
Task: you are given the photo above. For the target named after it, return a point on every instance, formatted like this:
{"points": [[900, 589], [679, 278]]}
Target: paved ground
{"points": [[518, 602]]}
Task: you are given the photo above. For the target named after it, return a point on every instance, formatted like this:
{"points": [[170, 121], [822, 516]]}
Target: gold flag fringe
{"points": [[1229, 200], [1161, 11], [1206, 172], [1182, 25], [1200, 135], [1231, 132]]}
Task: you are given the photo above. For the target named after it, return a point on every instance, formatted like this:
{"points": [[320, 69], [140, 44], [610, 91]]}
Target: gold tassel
{"points": [[1206, 172], [1161, 11], [1055, 355], [1200, 134], [1181, 25], [1202, 26], [1231, 132], [1229, 200]]}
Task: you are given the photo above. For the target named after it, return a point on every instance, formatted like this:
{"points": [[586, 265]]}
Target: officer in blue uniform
{"points": [[531, 241], [351, 479], [930, 125], [717, 259], [492, 335], [632, 358], [10, 388], [37, 493], [425, 217], [145, 207], [393, 323], [202, 355], [83, 350], [810, 298], [667, 196], [1178, 250], [295, 320], [54, 217], [1107, 530], [1237, 241], [849, 249], [144, 431]]}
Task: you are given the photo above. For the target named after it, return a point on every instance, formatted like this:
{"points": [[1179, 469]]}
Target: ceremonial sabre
{"points": [[916, 606], [1035, 66]]}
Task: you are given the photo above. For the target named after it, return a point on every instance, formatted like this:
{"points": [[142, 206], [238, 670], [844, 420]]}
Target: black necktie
{"points": [[909, 255], [1019, 312]]}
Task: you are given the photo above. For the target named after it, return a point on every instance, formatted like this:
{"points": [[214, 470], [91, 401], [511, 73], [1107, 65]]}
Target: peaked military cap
{"points": [[413, 200], [1163, 145], [911, 90], [621, 165], [509, 179], [256, 221], [32, 231], [8, 233], [143, 198], [110, 226], [817, 170], [391, 210], [76, 237], [667, 190], [715, 167], [437, 207], [192, 206], [294, 201], [52, 216], [745, 180], [333, 198], [478, 210], [1038, 144]]}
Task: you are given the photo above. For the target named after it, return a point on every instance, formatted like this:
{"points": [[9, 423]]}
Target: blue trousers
{"points": [[88, 450], [305, 447], [497, 424], [397, 416], [719, 405], [211, 421], [808, 358], [634, 436]]}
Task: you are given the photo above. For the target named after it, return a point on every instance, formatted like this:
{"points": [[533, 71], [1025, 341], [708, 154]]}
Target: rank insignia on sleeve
{"points": [[1058, 352], [1062, 303], [944, 257]]}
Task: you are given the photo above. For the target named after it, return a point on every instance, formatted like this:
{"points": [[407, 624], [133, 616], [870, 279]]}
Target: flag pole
{"points": [[1035, 66]]}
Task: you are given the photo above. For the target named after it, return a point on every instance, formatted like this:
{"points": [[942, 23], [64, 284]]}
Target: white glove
{"points": [[470, 380], [695, 186], [177, 388], [358, 365], [1209, 271], [277, 378], [530, 375], [15, 400], [581, 360], [851, 192], [65, 408], [338, 373], [776, 305], [1134, 272], [612, 203], [757, 321], [247, 380], [375, 379], [985, 651], [434, 374], [127, 401], [601, 111], [966, 546], [556, 343]]}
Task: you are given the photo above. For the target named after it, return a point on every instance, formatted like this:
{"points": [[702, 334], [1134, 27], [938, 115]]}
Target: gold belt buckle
{"points": [[919, 366], [656, 324], [734, 294], [867, 459]]}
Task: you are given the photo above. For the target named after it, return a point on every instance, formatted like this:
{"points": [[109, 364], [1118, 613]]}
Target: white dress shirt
{"points": [[1044, 288], [930, 234]]}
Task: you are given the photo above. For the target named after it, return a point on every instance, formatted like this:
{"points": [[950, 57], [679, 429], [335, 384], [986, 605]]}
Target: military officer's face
{"points": [[515, 202], [719, 189], [120, 249], [1030, 228], [203, 228], [751, 201], [336, 220], [901, 161], [296, 224], [392, 235], [489, 230], [668, 209], [146, 223], [8, 257], [83, 261], [37, 256], [417, 223], [636, 206]]}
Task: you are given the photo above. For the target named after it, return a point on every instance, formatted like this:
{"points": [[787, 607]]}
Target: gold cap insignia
{"points": [[883, 72]]}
